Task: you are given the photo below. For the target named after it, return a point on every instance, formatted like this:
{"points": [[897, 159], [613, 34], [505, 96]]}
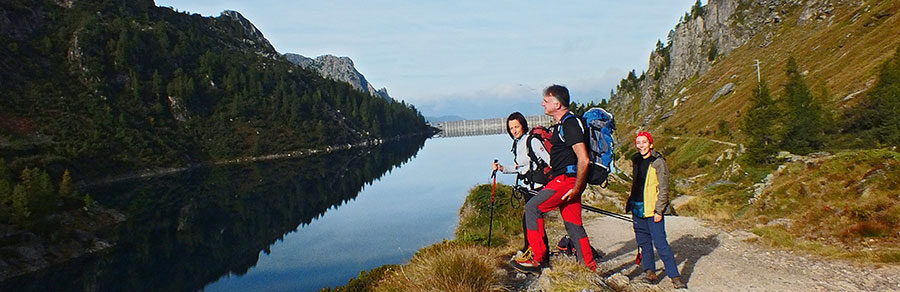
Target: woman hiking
{"points": [[523, 150], [647, 204]]}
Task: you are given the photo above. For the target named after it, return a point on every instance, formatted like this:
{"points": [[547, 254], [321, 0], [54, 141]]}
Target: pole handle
{"points": [[494, 172]]}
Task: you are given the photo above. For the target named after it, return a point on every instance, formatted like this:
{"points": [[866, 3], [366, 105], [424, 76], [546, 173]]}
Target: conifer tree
{"points": [[760, 125], [697, 9], [21, 211], [876, 116], [157, 84], [66, 189], [803, 118], [5, 188]]}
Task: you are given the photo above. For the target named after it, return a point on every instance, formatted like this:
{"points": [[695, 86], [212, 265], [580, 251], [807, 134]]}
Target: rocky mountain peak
{"points": [[255, 35], [692, 47], [340, 69]]}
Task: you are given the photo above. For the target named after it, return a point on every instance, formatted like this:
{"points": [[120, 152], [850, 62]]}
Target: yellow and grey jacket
{"points": [[656, 186]]}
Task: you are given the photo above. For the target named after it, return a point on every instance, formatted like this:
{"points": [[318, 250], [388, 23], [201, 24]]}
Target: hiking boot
{"points": [[529, 266], [650, 277], [523, 256], [526, 264], [678, 284]]}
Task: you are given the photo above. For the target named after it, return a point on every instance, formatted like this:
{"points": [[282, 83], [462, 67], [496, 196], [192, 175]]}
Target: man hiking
{"points": [[569, 163]]}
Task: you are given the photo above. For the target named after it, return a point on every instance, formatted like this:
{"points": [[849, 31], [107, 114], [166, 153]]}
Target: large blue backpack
{"points": [[601, 125]]}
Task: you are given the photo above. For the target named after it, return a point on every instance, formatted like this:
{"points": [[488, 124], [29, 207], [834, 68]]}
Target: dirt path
{"points": [[711, 259], [712, 140]]}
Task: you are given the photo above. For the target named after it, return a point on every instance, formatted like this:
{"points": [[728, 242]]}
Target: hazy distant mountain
{"points": [[340, 69]]}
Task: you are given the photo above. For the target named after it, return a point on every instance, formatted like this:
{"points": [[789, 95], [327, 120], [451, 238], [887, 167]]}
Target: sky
{"points": [[473, 59]]}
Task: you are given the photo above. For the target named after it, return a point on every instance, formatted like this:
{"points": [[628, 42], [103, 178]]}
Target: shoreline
{"points": [[157, 172], [36, 252], [80, 237]]}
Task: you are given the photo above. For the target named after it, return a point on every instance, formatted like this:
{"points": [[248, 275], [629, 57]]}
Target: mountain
{"points": [[840, 44], [780, 118], [102, 86], [340, 69]]}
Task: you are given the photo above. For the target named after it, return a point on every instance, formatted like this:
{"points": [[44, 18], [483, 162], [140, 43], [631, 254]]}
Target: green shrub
{"points": [[703, 162]]}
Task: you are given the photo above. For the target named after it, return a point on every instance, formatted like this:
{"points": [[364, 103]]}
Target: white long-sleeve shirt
{"points": [[521, 160]]}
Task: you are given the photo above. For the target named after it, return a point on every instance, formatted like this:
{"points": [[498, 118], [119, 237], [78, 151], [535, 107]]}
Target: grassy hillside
{"points": [[842, 57], [838, 203]]}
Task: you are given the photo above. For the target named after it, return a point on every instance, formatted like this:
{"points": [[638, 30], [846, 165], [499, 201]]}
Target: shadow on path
{"points": [[628, 246], [689, 249]]}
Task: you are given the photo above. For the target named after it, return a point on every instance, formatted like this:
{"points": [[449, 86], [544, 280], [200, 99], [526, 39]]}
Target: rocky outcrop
{"points": [[694, 45], [254, 36], [728, 88], [340, 69]]}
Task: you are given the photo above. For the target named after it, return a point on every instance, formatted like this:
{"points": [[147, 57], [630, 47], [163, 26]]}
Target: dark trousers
{"points": [[649, 234]]}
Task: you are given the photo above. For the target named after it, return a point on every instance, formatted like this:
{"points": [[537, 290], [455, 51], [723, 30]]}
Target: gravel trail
{"points": [[711, 259]]}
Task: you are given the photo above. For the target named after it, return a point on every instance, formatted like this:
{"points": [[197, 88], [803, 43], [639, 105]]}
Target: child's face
{"points": [[642, 144]]}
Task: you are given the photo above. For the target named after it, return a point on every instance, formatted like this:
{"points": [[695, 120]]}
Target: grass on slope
{"points": [[842, 54], [843, 205]]}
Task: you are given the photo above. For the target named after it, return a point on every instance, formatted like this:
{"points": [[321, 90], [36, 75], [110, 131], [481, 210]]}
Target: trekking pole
{"points": [[607, 213], [493, 191]]}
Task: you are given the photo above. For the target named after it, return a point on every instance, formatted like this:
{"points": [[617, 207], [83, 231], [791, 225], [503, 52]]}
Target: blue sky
{"points": [[475, 59]]}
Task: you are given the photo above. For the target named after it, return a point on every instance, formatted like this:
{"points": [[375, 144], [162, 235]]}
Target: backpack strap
{"points": [[532, 162], [570, 169], [533, 154], [560, 125], [513, 150]]}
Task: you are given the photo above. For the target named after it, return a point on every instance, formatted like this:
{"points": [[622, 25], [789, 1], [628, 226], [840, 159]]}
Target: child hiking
{"points": [[524, 148], [569, 166], [647, 203]]}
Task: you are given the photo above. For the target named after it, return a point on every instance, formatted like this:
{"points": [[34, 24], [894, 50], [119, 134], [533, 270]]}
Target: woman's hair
{"points": [[519, 117]]}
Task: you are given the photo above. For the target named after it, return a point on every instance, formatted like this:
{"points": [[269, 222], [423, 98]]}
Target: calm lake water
{"points": [[286, 225]]}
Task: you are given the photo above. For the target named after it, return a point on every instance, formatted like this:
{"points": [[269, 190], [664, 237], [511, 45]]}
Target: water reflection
{"points": [[185, 231]]}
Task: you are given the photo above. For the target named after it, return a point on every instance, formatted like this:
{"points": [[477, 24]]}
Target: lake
{"points": [[284, 225]]}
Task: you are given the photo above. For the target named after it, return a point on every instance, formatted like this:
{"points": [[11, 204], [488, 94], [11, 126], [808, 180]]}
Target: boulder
{"points": [[728, 88]]}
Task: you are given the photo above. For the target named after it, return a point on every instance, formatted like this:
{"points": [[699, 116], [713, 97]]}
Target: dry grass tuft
{"points": [[567, 274], [446, 267]]}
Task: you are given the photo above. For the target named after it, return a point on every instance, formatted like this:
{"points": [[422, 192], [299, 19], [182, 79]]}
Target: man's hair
{"points": [[559, 92]]}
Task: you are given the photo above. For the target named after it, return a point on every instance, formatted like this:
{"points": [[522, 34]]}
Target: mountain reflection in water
{"points": [[187, 230]]}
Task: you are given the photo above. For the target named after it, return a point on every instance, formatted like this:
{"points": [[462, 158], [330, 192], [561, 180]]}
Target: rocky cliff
{"points": [[253, 36], [691, 48], [340, 69], [767, 30]]}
